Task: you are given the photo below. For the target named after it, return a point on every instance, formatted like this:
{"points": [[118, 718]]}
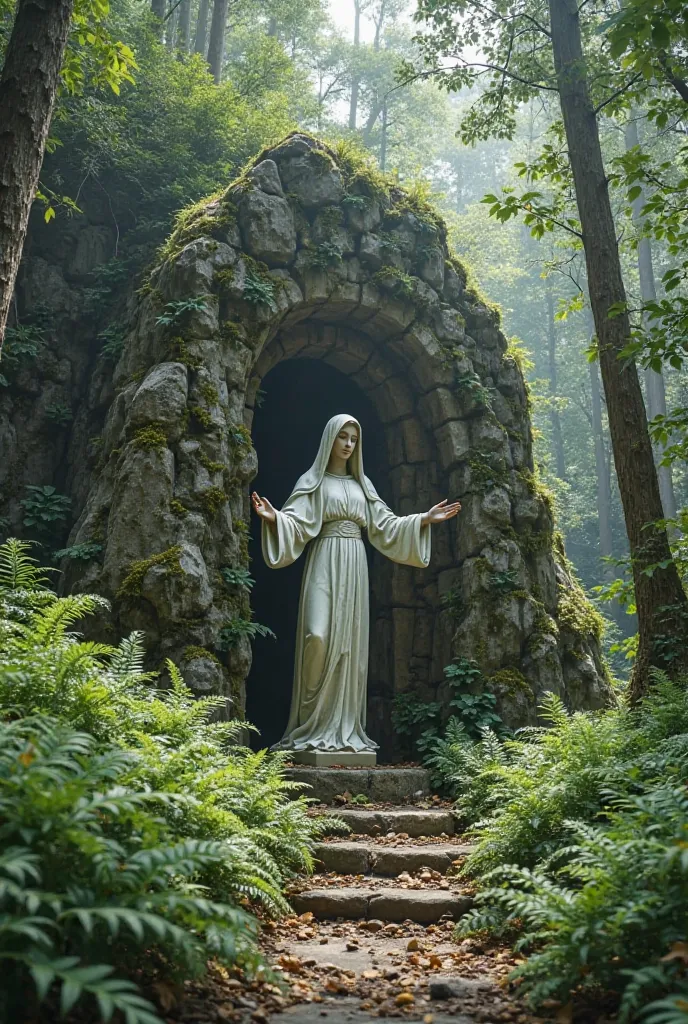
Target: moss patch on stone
{"points": [[212, 500], [133, 581], [394, 280], [194, 222], [179, 353], [202, 416], [150, 438], [577, 614], [240, 437], [209, 464], [192, 652], [177, 509], [209, 392], [511, 680]]}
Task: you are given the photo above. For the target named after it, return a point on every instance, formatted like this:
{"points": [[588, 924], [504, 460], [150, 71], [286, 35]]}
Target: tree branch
{"points": [[679, 84], [616, 93]]}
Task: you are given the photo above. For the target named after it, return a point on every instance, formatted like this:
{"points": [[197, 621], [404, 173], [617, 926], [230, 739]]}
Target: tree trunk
{"points": [[216, 44], [660, 599], [604, 498], [355, 83], [201, 38], [555, 420], [655, 392], [272, 28], [159, 7], [379, 25], [28, 87], [383, 137], [184, 26], [171, 29]]}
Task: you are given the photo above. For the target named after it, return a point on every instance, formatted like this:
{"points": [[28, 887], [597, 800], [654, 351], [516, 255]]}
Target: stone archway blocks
{"points": [[379, 785], [387, 904]]}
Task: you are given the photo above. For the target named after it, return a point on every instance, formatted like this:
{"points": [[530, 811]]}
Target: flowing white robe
{"points": [[328, 705]]}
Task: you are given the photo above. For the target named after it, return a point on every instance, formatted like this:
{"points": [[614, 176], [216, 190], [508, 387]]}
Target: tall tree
{"points": [[216, 42], [555, 420], [184, 26], [355, 80], [660, 598], [201, 37], [604, 497], [28, 87], [655, 390]]}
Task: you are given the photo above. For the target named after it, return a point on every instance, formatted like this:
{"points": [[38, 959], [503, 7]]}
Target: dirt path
{"points": [[371, 936]]}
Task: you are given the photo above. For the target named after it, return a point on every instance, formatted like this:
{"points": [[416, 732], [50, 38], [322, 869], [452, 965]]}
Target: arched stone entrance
{"points": [[313, 256]]}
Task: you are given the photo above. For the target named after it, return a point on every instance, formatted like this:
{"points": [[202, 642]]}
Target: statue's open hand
{"points": [[441, 512], [263, 508]]}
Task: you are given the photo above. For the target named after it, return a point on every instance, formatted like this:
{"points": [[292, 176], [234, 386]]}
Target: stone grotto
{"points": [[311, 285]]}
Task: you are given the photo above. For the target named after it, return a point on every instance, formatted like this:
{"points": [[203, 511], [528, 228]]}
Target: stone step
{"points": [[379, 785], [359, 858], [424, 906], [413, 821]]}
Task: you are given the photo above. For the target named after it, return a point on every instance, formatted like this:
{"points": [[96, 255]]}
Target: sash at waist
{"points": [[344, 528]]}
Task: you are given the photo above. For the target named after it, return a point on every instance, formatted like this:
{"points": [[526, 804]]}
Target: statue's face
{"points": [[345, 441]]}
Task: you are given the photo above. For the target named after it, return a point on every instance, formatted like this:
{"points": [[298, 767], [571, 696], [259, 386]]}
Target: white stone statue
{"points": [[329, 506]]}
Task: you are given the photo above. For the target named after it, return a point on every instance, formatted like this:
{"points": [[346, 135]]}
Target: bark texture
{"points": [[555, 420], [216, 43], [201, 38], [355, 84], [28, 86], [184, 26], [660, 599], [654, 382]]}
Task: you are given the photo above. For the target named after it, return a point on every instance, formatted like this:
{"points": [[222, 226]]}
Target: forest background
{"points": [[580, 827], [214, 82]]}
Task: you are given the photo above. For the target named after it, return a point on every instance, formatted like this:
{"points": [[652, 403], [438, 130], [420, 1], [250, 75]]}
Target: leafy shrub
{"points": [[89, 876], [218, 822], [474, 711], [237, 577], [59, 413], [619, 905], [44, 509], [467, 769], [176, 311], [258, 290], [236, 628], [22, 345], [80, 552], [581, 836]]}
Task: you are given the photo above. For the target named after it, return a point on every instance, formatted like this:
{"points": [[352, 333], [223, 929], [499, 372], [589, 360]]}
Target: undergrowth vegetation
{"points": [[581, 855], [138, 838]]}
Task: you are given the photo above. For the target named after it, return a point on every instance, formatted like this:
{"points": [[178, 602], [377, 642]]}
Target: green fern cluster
{"points": [[582, 848], [99, 767]]}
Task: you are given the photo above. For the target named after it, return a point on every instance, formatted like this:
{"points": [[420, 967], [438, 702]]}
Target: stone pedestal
{"points": [[326, 758]]}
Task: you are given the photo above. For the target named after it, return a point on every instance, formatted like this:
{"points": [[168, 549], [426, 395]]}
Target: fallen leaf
{"points": [[405, 999], [678, 951], [564, 1014]]}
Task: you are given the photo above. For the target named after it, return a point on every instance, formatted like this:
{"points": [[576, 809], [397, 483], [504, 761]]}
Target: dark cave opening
{"points": [[297, 398]]}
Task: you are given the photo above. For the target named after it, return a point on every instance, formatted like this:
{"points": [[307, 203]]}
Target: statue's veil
{"points": [[312, 478]]}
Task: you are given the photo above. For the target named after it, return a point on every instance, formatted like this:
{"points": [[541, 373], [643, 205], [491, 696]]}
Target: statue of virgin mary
{"points": [[330, 506]]}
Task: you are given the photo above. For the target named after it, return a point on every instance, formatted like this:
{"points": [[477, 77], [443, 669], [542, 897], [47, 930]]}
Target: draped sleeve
{"points": [[298, 522], [401, 538]]}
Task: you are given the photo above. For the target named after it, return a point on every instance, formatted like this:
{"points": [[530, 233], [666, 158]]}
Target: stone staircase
{"points": [[394, 865]]}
